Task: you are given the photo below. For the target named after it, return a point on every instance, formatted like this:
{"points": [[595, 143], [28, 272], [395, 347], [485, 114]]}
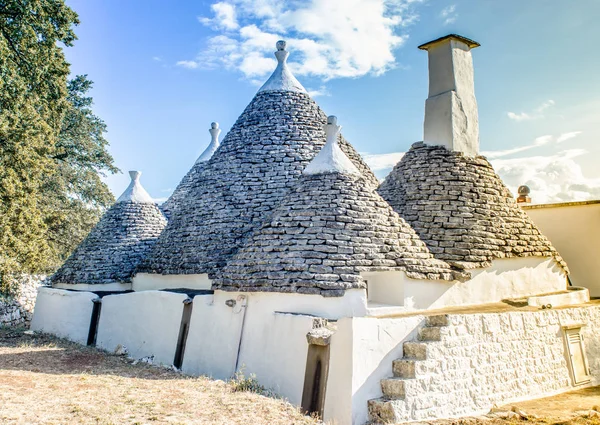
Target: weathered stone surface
{"points": [[115, 247], [256, 166], [487, 359], [461, 209], [351, 230], [17, 310]]}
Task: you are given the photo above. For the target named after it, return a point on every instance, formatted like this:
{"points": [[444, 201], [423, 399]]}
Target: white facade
{"points": [[146, 323], [574, 230], [66, 314], [155, 282]]}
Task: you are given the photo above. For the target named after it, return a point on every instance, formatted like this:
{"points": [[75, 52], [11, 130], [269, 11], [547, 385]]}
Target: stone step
{"points": [[404, 368], [439, 320], [383, 411], [415, 350], [430, 333], [393, 388]]}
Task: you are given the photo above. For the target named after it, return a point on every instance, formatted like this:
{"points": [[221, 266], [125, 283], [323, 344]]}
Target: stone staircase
{"points": [[392, 406]]}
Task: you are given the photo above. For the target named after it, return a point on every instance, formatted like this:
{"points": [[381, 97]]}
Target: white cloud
{"points": [[384, 161], [225, 17], [157, 58], [448, 14], [321, 91], [568, 136], [188, 64], [537, 113], [328, 39], [551, 178], [539, 141]]}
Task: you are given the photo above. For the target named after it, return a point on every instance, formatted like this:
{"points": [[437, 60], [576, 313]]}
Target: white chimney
{"points": [[451, 117]]}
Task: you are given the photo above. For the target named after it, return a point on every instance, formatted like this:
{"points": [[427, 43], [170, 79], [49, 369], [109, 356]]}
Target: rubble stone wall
{"points": [[491, 358], [18, 310]]}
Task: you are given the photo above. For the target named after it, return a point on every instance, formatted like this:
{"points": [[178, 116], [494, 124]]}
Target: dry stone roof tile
{"points": [[186, 183], [115, 247], [461, 209], [256, 166], [326, 231]]}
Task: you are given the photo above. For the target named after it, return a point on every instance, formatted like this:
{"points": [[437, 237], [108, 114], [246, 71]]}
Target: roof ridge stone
{"points": [[331, 159], [282, 78]]}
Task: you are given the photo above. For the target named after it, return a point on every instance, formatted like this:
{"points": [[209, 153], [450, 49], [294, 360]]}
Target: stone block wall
{"points": [[479, 360], [18, 310]]}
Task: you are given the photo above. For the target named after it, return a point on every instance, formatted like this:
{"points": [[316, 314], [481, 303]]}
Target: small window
{"points": [[577, 361]]}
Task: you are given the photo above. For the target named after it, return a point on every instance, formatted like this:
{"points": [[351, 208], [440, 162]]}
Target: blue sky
{"points": [[164, 70]]}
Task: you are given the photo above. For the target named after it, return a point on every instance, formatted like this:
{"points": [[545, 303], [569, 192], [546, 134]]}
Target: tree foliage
{"points": [[51, 145], [75, 196]]}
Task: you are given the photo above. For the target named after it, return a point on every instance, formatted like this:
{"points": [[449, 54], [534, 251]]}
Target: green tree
{"points": [[75, 196], [33, 101]]}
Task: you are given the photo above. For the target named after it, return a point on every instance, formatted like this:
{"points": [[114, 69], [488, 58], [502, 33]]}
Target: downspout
{"points": [[239, 306]]}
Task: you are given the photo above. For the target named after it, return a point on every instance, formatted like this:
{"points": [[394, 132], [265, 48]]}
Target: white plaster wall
{"points": [[497, 358], [482, 360], [213, 338], [574, 230], [277, 354], [147, 323], [385, 287], [154, 282], [273, 346], [66, 314], [338, 395], [115, 286], [507, 278], [376, 343]]}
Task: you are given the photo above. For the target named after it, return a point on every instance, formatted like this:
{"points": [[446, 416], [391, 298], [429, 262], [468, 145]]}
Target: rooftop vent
{"points": [[135, 191], [523, 197]]}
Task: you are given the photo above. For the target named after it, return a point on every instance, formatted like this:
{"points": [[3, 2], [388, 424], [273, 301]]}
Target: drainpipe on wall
{"points": [[239, 306]]}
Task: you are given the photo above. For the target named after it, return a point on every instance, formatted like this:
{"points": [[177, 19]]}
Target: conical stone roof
{"points": [[255, 167], [461, 209], [118, 243], [331, 227], [185, 184]]}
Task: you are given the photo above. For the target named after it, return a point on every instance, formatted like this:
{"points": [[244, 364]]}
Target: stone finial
{"points": [[282, 78], [135, 191], [331, 159], [523, 197], [214, 144], [451, 116]]}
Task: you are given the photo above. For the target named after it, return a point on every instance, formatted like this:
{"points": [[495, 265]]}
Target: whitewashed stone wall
{"points": [[18, 310], [487, 359]]}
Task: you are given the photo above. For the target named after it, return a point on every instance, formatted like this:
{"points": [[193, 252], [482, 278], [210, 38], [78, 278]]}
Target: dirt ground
{"points": [[572, 408], [44, 380]]}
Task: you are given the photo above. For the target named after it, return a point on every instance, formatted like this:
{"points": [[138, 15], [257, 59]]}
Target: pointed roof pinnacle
{"points": [[214, 143], [331, 159], [135, 192], [282, 78]]}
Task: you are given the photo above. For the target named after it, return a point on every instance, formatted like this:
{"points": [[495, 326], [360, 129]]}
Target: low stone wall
{"points": [[18, 310]]}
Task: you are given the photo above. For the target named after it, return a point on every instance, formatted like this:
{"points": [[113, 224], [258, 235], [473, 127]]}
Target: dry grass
{"points": [[44, 380]]}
